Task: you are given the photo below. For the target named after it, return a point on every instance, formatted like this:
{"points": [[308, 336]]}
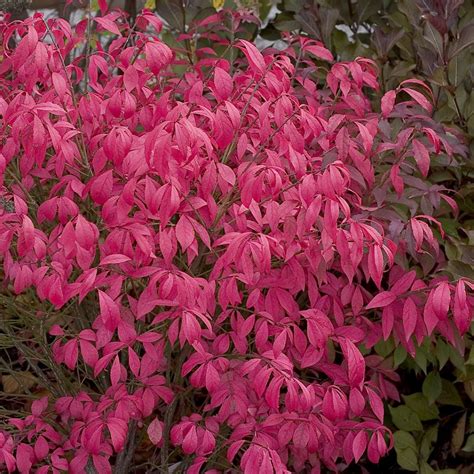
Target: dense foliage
{"points": [[201, 255], [432, 40]]}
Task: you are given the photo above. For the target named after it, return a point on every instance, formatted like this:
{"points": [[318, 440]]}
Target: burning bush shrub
{"points": [[199, 255]]}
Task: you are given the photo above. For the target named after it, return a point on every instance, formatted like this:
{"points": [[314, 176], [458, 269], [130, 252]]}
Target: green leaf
{"points": [[442, 352], [457, 360], [399, 355], [449, 394], [419, 404], [285, 22], [308, 19], [425, 468], [420, 359], [384, 348], [456, 267], [429, 438], [404, 440], [469, 446], [432, 387], [470, 360], [405, 447], [405, 418], [465, 40], [432, 35], [450, 226], [458, 433], [171, 11], [329, 17]]}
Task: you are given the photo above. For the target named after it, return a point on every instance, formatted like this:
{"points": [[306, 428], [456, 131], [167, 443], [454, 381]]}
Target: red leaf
{"points": [[184, 233], [114, 259], [130, 78], [108, 25], [71, 353], [382, 299], [254, 56], [320, 52], [367, 138], [190, 441], [223, 84], [461, 308], [109, 311], [441, 300], [429, 315], [158, 55], [118, 432], [102, 464], [410, 317], [103, 7], [376, 264], [101, 187], [388, 319], [388, 102], [397, 181], [89, 353], [355, 363], [41, 448], [376, 404], [359, 445], [419, 98], [234, 449], [422, 157], [59, 84], [404, 283]]}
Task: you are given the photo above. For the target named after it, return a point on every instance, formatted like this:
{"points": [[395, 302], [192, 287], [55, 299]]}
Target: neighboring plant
{"points": [[429, 39], [201, 257], [432, 425]]}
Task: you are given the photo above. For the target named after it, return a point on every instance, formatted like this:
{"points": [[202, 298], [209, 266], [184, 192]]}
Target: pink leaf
{"points": [[158, 55], [223, 84], [410, 317], [109, 311], [382, 299], [355, 363], [419, 98], [397, 181], [71, 353], [376, 264], [108, 25], [359, 445], [114, 259], [103, 6], [376, 404], [429, 315], [155, 431], [184, 233], [102, 464], [254, 56], [422, 157], [190, 441], [441, 300], [320, 52], [388, 102], [118, 432], [130, 78], [101, 187], [41, 448], [461, 308]]}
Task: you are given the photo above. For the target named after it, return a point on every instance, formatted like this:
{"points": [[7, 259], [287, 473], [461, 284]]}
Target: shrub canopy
{"points": [[205, 253]]}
